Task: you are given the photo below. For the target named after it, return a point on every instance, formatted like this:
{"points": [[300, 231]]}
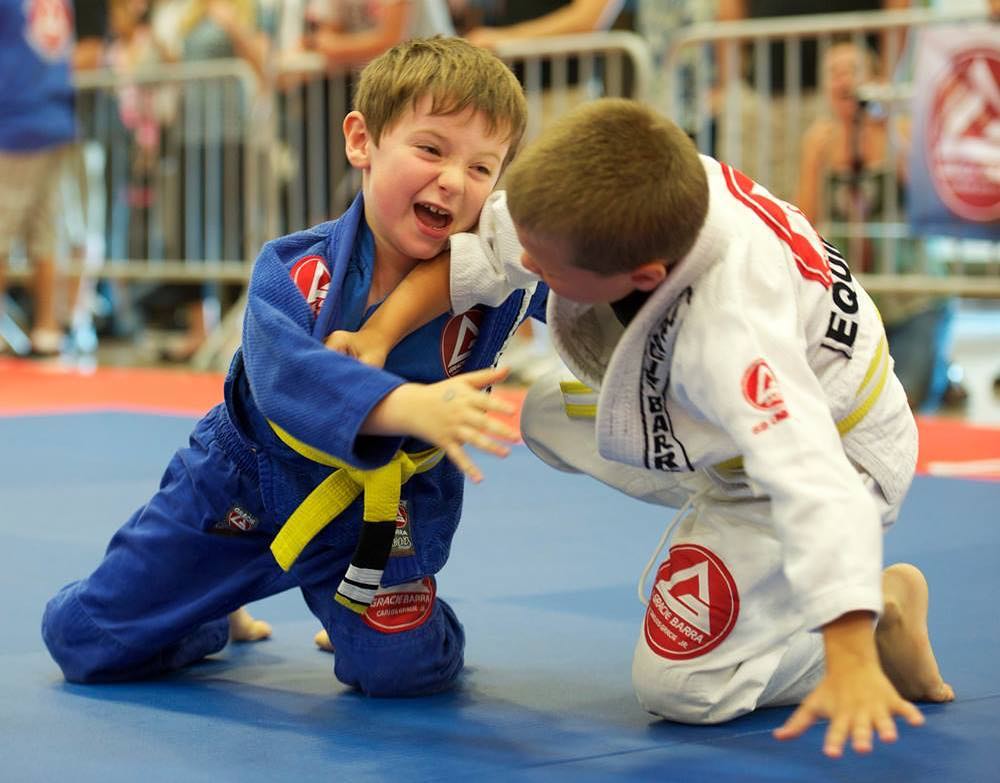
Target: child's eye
{"points": [[484, 170], [430, 149]]}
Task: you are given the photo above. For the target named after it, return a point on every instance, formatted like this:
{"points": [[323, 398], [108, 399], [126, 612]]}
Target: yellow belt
{"points": [[337, 491], [577, 399]]}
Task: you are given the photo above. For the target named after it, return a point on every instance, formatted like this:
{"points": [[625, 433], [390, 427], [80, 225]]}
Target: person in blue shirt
{"points": [[318, 471], [37, 127]]}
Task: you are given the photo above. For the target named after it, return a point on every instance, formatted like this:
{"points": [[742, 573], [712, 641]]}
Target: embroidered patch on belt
{"points": [[401, 607], [402, 542], [237, 521], [694, 604]]}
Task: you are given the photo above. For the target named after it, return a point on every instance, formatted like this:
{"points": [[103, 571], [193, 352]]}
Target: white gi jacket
{"points": [[756, 346]]}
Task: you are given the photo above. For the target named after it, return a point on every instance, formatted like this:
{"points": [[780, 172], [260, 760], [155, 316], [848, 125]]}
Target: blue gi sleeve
{"points": [[315, 394]]}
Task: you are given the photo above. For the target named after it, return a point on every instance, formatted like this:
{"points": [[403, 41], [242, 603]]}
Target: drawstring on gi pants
{"points": [[690, 506]]}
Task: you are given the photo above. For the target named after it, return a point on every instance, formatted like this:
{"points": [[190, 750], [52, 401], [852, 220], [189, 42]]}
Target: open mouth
{"points": [[433, 217]]}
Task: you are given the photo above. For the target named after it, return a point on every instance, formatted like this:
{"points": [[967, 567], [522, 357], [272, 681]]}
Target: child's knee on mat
{"points": [[685, 705], [417, 662], [80, 648], [698, 696]]}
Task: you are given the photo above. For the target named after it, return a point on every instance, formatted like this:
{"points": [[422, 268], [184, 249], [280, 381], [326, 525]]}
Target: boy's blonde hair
{"points": [[455, 74], [619, 182]]}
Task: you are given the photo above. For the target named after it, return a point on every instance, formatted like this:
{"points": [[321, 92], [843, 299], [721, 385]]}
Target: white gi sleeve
{"points": [[486, 266], [741, 361]]}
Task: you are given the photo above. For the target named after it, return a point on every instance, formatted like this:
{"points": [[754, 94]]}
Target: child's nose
{"points": [[452, 178]]}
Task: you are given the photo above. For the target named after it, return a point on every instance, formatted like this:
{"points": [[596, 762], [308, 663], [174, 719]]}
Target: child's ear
{"points": [[649, 275], [357, 140]]}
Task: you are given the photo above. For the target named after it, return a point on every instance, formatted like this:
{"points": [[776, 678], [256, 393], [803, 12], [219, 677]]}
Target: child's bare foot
{"points": [[904, 645], [322, 640], [244, 628]]}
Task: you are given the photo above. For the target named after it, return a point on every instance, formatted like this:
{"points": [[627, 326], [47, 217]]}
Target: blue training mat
{"points": [[542, 574]]}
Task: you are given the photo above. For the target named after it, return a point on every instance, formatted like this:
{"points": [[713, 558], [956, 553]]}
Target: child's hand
{"points": [[857, 706], [854, 695], [366, 346], [455, 412], [449, 414]]}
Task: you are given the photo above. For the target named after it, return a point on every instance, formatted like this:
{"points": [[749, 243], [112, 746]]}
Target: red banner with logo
{"points": [[955, 156]]}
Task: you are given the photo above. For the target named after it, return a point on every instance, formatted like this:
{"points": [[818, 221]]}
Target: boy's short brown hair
{"points": [[622, 184], [455, 74]]}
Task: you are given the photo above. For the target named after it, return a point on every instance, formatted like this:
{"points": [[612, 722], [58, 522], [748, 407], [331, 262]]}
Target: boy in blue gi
{"points": [[313, 451]]}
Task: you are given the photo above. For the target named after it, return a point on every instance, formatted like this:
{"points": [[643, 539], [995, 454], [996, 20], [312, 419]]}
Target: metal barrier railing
{"points": [[192, 166], [606, 64], [310, 180], [159, 188], [179, 145], [732, 115], [200, 165], [168, 154], [226, 163]]}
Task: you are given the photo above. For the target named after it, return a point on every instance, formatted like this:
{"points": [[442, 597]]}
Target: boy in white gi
{"points": [[741, 374]]}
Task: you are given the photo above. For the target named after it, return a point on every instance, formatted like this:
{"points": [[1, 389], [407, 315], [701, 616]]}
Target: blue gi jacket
{"points": [[198, 548], [285, 374]]}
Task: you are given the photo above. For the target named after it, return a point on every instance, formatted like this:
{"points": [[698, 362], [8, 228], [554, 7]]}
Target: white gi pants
{"points": [[721, 636]]}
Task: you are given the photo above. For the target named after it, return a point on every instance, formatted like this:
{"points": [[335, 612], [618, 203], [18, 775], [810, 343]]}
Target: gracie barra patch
{"points": [[402, 542], [760, 386], [311, 276], [694, 604], [760, 389], [237, 521], [458, 338], [401, 607]]}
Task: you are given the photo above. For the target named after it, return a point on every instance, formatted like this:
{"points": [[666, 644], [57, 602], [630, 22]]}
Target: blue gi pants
{"points": [[160, 598]]}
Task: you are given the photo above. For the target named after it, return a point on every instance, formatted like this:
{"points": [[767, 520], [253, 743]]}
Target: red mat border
{"points": [[30, 388]]}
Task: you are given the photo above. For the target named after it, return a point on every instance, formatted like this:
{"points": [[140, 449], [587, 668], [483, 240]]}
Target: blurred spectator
{"points": [[211, 165], [849, 174], [659, 22], [520, 19], [784, 133], [91, 25], [352, 32], [81, 205], [222, 29], [37, 125], [141, 110]]}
